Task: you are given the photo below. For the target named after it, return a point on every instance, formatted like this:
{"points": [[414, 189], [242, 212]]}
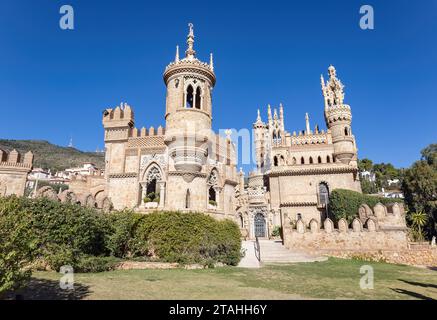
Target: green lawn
{"points": [[332, 279]]}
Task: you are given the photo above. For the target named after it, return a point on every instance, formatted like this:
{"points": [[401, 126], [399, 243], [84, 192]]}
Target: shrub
{"points": [[187, 238], [18, 244], [276, 232], [96, 264], [345, 203]]}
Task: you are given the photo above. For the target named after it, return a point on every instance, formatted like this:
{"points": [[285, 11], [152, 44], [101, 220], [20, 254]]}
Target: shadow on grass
{"points": [[44, 289], [419, 284], [412, 294]]}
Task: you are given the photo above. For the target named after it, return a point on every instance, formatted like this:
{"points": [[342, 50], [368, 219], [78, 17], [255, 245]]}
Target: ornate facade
{"points": [[184, 166], [296, 171]]}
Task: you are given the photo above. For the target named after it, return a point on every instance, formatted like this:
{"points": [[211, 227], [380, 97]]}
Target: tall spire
{"points": [[190, 53], [307, 123], [211, 62], [258, 118], [177, 54], [269, 113], [281, 115]]}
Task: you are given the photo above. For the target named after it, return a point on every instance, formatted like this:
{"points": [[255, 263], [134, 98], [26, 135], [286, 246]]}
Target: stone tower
{"points": [[338, 118], [188, 115]]}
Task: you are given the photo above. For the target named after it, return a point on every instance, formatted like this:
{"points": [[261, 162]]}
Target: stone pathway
{"points": [[273, 252]]}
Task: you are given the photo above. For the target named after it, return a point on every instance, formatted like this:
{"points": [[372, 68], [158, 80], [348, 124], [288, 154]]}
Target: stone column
{"points": [[161, 194], [218, 197], [143, 192]]}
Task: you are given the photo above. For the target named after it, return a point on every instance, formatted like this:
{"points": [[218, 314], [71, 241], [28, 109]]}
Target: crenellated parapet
{"points": [[118, 122], [16, 160]]}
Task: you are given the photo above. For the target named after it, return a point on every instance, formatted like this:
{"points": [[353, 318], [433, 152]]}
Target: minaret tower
{"points": [[338, 118]]}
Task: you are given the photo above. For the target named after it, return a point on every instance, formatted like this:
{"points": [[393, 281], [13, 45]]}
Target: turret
{"points": [[118, 124], [189, 83], [338, 118], [260, 147], [188, 116]]}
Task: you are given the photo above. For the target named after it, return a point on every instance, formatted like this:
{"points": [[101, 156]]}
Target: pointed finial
{"points": [[307, 122], [177, 54], [211, 62], [190, 53], [322, 81], [269, 112], [258, 118], [275, 114], [332, 72]]}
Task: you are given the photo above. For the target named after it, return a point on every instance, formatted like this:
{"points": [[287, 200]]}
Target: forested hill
{"points": [[50, 156]]}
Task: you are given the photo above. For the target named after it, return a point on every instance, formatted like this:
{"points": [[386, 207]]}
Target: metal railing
{"points": [[257, 249]]}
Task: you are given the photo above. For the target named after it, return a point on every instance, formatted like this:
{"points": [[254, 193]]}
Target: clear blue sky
{"points": [[54, 84]]}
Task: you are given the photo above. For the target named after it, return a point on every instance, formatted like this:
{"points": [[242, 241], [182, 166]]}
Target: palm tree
{"points": [[418, 220]]}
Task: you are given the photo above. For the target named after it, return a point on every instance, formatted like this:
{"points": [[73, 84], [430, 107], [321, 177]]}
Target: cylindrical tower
{"points": [[338, 118], [188, 116]]}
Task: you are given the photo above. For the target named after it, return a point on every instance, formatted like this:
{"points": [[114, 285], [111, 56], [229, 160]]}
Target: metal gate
{"points": [[260, 226]]}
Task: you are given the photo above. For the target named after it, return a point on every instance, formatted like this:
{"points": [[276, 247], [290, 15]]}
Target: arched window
{"points": [[311, 160], [241, 220], [323, 194], [212, 195], [198, 103], [151, 187], [282, 160], [302, 160], [346, 131], [275, 161], [294, 160], [190, 96], [187, 199], [328, 159], [319, 159]]}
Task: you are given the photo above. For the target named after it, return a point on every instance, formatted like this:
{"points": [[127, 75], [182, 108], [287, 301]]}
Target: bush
{"points": [[277, 231], [56, 234], [96, 264], [18, 244], [186, 238], [345, 203]]}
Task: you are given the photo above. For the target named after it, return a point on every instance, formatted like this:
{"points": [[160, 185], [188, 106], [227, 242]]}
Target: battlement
{"points": [[120, 116], [144, 132], [14, 159], [305, 138]]}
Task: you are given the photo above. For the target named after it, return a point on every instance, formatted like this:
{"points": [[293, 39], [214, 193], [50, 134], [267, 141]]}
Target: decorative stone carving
{"points": [[147, 159]]}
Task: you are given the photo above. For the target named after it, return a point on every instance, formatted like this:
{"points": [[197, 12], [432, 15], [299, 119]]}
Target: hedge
{"points": [[345, 203], [56, 234]]}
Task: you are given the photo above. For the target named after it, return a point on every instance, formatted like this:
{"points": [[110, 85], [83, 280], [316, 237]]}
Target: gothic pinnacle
{"points": [[190, 53], [177, 54]]}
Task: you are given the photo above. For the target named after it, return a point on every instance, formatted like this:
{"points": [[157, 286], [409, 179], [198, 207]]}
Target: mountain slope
{"points": [[50, 156]]}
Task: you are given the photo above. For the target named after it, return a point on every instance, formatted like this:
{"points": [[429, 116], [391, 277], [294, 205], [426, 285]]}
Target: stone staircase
{"points": [[273, 252]]}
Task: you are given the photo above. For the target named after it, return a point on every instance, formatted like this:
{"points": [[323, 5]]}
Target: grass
{"points": [[332, 279]]}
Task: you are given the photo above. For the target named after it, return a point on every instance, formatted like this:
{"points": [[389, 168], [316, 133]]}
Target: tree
{"points": [[384, 172], [419, 185], [429, 154], [418, 221], [365, 165]]}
